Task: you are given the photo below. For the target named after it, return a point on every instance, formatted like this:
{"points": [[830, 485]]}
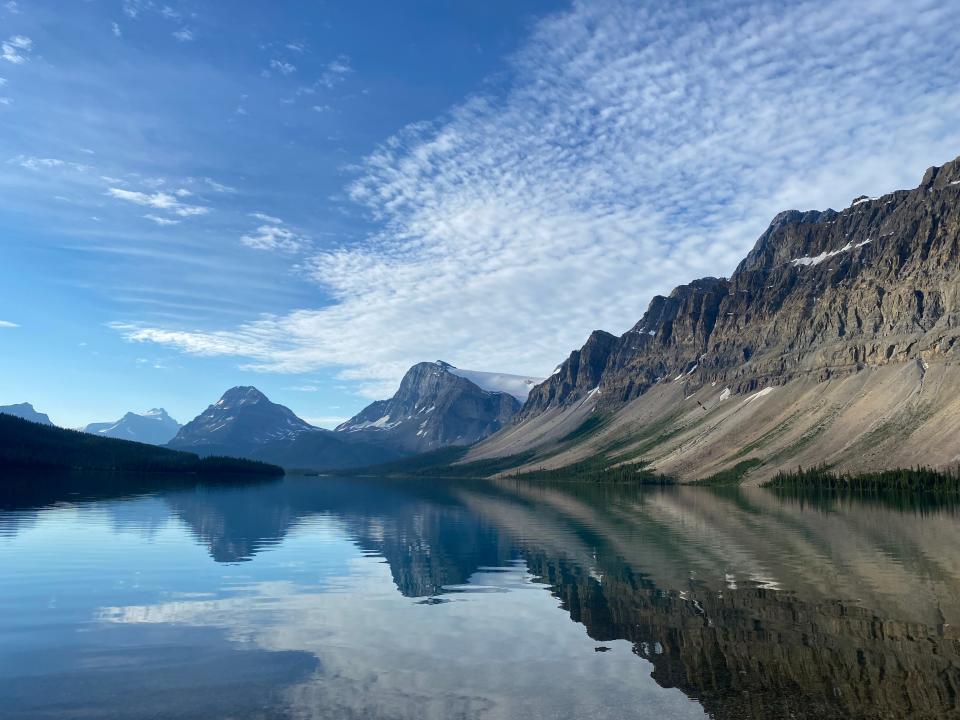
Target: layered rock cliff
{"points": [[821, 293], [840, 328]]}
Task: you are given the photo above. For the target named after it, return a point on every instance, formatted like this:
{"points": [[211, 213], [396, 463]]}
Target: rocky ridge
{"points": [[834, 341], [822, 294]]}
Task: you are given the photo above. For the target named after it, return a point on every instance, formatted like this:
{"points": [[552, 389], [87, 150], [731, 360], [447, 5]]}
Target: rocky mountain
{"points": [[244, 423], [438, 405], [26, 412], [833, 341], [154, 427]]}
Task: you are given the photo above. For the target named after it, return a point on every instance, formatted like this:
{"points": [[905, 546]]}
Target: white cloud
{"points": [[14, 48], [12, 7], [183, 35], [3, 81], [635, 147], [297, 47], [159, 200], [8, 324], [273, 235], [266, 218], [39, 164], [162, 221], [6, 101], [116, 29], [283, 67]]}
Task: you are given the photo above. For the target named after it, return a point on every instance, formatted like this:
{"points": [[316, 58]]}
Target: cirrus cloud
{"points": [[169, 202], [637, 146]]}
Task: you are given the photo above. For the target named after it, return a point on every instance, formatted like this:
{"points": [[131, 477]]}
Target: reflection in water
{"points": [[752, 605]]}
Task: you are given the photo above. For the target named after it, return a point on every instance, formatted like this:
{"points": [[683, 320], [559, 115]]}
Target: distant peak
{"points": [[242, 394]]}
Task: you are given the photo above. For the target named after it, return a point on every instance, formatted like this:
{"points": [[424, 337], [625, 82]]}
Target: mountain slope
{"points": [[244, 423], [26, 412], [437, 406], [838, 330], [154, 427]]}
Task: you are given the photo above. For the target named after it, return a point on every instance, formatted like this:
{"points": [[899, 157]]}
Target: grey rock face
{"points": [[26, 412], [154, 427], [821, 294], [433, 408]]}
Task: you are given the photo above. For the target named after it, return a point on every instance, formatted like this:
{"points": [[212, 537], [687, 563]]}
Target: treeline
{"points": [[26, 445], [913, 480]]}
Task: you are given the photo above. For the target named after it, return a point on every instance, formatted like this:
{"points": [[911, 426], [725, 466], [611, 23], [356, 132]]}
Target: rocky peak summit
{"points": [[436, 405], [243, 416]]}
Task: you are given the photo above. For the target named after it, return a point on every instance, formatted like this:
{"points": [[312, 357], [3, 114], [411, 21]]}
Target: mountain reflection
{"points": [[754, 605]]}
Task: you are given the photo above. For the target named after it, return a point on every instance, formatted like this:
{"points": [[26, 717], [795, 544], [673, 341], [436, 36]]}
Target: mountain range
{"points": [[834, 342], [154, 427], [435, 406]]}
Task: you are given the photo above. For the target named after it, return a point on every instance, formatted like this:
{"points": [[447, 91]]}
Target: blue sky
{"points": [[310, 197]]}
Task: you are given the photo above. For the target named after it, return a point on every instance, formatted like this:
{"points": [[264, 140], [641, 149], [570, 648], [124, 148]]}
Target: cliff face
{"points": [[834, 341], [822, 296]]}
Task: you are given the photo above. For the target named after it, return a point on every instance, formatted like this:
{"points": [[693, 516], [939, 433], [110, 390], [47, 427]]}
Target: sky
{"points": [[311, 197]]}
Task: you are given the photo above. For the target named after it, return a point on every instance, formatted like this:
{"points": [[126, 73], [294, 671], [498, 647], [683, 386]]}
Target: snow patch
{"points": [[763, 393], [817, 259], [725, 394]]}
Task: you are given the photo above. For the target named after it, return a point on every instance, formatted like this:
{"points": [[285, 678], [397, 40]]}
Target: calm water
{"points": [[349, 598]]}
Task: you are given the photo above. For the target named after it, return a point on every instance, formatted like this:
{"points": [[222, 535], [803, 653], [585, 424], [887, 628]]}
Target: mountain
{"points": [[26, 411], [438, 405], [834, 341], [243, 416], [36, 446], [244, 423], [153, 427]]}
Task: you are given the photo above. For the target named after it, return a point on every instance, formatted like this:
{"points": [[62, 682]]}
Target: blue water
{"points": [[367, 598]]}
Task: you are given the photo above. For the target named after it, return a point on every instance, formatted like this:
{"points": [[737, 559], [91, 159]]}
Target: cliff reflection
{"points": [[755, 605]]}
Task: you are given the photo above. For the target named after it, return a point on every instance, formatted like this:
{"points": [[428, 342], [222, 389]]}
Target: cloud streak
{"points": [[635, 147], [169, 202]]}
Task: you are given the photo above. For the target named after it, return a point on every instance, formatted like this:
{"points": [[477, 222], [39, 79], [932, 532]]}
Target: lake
{"points": [[326, 597]]}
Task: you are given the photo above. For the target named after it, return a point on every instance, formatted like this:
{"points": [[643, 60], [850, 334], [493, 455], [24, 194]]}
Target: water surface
{"points": [[368, 598]]}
